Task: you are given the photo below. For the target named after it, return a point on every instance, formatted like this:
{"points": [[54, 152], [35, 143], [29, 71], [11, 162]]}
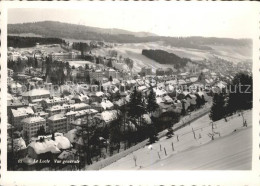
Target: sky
{"points": [[233, 20]]}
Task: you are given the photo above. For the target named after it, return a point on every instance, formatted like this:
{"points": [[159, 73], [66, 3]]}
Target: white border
{"points": [[127, 177]]}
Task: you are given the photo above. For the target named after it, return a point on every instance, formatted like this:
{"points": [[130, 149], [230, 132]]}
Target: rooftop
{"points": [[33, 119], [22, 111], [37, 92]]}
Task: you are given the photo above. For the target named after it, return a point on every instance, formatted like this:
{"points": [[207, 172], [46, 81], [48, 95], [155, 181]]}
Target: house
{"points": [[49, 102], [19, 114], [58, 123], [81, 98], [107, 117], [31, 125], [36, 95], [10, 72], [15, 88], [106, 104], [37, 148], [56, 109]]}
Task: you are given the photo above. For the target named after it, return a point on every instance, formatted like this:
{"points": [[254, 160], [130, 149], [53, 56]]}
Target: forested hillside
{"points": [[24, 42], [164, 57], [80, 32]]}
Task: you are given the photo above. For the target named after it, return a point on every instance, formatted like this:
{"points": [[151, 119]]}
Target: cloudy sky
{"points": [[226, 19]]}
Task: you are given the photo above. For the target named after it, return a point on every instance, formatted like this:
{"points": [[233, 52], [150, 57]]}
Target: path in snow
{"points": [[230, 152]]}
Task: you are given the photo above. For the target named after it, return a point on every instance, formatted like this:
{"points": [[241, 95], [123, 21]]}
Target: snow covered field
{"points": [[196, 150]]}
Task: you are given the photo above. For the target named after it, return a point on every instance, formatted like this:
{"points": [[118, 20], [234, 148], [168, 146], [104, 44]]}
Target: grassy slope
{"points": [[134, 51]]}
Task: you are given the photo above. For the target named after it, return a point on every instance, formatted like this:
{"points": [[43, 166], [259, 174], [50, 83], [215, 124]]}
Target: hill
{"points": [[80, 32], [73, 31]]}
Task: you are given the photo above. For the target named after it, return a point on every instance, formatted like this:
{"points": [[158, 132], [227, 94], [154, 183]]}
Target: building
{"points": [[146, 71], [64, 56], [57, 109], [10, 72], [9, 80], [110, 73], [96, 75], [49, 102], [19, 114], [58, 123], [36, 95], [15, 88], [79, 106], [31, 125]]}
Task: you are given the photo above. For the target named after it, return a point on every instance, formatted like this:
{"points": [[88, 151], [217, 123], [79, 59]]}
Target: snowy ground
{"points": [[196, 150]]}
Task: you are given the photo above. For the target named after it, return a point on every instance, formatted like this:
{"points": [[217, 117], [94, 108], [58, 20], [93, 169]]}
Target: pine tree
{"points": [[136, 108], [151, 102], [218, 108]]}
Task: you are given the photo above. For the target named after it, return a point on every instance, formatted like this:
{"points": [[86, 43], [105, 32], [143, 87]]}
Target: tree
{"points": [[86, 66], [41, 131], [88, 78], [153, 135], [130, 63], [112, 53], [151, 102], [240, 93], [136, 105], [218, 108], [110, 78]]}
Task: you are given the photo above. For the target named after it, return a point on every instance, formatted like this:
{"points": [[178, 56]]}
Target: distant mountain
{"points": [[56, 29]]}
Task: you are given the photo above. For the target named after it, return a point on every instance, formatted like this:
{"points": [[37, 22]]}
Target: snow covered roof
{"points": [[200, 93], [142, 88], [168, 99], [159, 92], [98, 94], [33, 119], [184, 74], [62, 142], [172, 82], [82, 112], [193, 79], [9, 96], [57, 117], [108, 116], [181, 81], [36, 92], [159, 100], [111, 70], [48, 145], [56, 100], [19, 144], [43, 147], [59, 107], [79, 106], [205, 70], [22, 111], [16, 85], [147, 118], [71, 135], [106, 104], [120, 102]]}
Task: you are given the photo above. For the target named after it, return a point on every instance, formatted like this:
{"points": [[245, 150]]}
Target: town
{"points": [[66, 104]]}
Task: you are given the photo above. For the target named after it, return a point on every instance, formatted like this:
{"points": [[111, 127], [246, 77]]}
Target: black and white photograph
{"points": [[129, 86]]}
